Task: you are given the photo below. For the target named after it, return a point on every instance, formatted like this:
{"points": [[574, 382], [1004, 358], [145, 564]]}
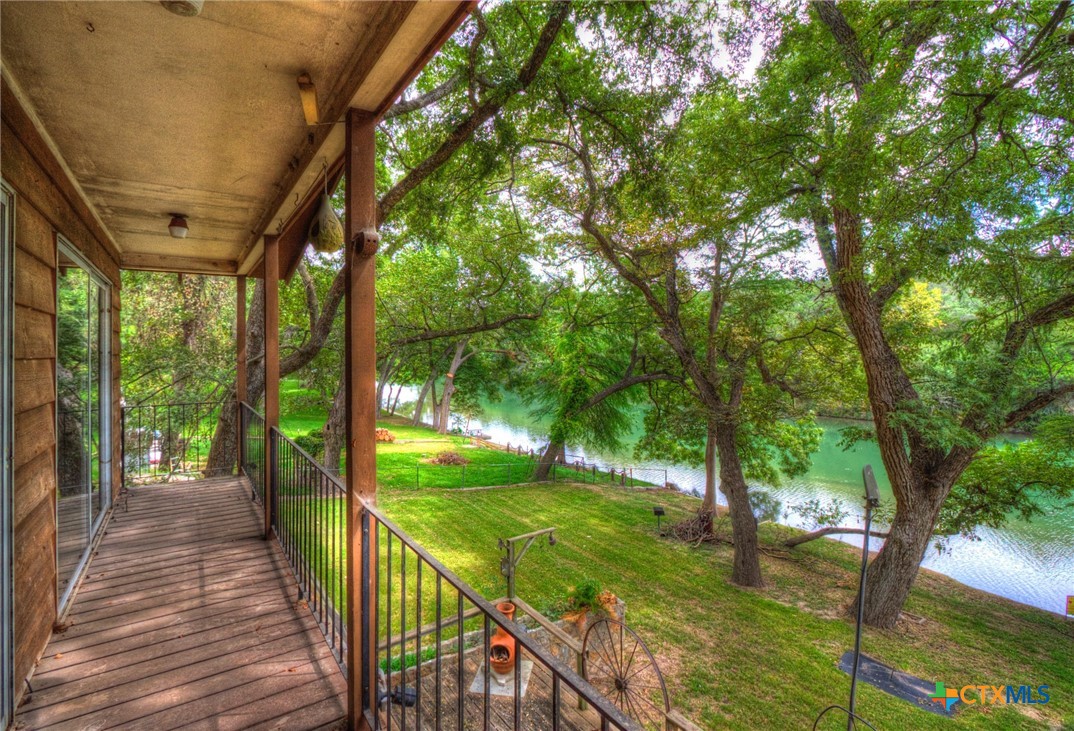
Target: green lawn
{"points": [[748, 659], [733, 658]]}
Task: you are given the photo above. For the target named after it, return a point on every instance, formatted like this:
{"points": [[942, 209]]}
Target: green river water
{"points": [[1030, 562]]}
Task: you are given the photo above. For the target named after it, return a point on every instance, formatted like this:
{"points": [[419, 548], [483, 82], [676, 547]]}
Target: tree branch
{"points": [[406, 106], [1035, 404], [312, 306], [1019, 330], [484, 112], [319, 331], [625, 383], [456, 332], [830, 530], [844, 35]]}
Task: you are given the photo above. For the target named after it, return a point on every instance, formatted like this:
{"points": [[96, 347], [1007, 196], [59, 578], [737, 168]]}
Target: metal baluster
{"points": [[487, 674], [518, 686], [402, 633], [376, 615], [324, 552], [439, 645], [458, 685], [417, 647], [388, 649]]}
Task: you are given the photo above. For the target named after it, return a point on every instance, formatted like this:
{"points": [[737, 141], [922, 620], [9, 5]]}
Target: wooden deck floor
{"points": [[187, 619]]}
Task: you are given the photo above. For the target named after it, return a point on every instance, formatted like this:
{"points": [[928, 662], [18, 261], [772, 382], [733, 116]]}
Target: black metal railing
{"points": [[309, 520], [426, 633], [165, 441], [252, 454], [433, 636]]}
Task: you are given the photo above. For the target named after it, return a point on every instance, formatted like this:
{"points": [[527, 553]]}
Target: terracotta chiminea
{"points": [[502, 647]]}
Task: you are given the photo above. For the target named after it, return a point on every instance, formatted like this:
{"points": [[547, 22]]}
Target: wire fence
{"points": [[506, 474]]}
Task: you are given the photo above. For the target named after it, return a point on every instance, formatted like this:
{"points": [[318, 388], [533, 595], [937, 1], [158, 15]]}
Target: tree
{"points": [[594, 348], [926, 142], [623, 163], [463, 100]]}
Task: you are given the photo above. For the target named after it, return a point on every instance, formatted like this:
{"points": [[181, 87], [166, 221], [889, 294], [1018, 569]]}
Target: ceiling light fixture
{"points": [[308, 92], [177, 226], [185, 8]]}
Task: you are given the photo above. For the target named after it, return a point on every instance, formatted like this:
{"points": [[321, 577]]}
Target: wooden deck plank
{"points": [[187, 618]]}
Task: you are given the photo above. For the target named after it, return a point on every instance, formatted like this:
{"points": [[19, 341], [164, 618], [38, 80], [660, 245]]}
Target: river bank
{"points": [[1027, 561], [743, 659]]}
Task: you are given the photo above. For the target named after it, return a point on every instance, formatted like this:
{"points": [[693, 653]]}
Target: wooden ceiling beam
{"points": [[292, 237], [181, 264], [382, 28]]}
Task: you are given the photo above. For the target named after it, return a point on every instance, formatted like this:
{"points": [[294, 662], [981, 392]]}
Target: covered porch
{"points": [[198, 138], [187, 618]]}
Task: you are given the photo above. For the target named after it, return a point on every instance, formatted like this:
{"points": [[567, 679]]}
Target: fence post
{"points": [[242, 438], [274, 472], [122, 448]]}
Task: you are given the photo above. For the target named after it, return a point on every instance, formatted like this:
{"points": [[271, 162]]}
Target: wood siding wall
{"points": [[46, 204]]}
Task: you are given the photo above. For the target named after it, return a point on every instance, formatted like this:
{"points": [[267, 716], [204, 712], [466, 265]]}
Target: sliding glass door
{"points": [[7, 408], [83, 386]]}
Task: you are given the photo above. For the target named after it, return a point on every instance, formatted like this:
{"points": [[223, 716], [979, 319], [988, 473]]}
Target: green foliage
{"points": [[312, 442], [177, 337], [583, 595], [822, 513], [1021, 478]]}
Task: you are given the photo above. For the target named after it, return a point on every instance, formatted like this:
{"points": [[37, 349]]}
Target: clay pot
{"points": [[502, 646]]}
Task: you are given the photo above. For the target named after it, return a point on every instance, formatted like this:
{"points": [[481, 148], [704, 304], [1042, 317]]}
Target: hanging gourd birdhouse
{"points": [[326, 230]]}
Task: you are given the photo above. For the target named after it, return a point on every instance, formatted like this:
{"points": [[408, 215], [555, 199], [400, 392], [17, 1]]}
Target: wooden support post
{"points": [[240, 364], [361, 242], [272, 370]]}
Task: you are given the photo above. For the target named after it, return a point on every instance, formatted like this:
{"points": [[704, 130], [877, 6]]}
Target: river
{"points": [[1031, 562]]}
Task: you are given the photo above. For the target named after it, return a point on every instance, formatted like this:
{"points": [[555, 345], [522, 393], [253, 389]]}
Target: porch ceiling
{"points": [[154, 113]]}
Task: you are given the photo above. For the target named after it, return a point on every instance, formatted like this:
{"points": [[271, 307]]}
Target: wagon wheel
{"points": [[616, 662]]}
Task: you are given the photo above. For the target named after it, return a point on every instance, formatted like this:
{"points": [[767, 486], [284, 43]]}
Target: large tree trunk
{"points": [[387, 367], [436, 407], [335, 432], [746, 569], [449, 386], [892, 573], [708, 504], [222, 453], [553, 453], [913, 466], [420, 405]]}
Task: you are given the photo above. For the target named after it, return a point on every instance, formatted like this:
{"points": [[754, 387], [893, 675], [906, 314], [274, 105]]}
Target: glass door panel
{"points": [[82, 390], [7, 306]]}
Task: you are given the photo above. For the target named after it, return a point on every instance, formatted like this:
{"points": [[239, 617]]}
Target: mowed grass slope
{"points": [[748, 659]]}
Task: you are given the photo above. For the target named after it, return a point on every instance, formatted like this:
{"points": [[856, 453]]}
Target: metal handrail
{"points": [[294, 470], [608, 712], [157, 439], [313, 543]]}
